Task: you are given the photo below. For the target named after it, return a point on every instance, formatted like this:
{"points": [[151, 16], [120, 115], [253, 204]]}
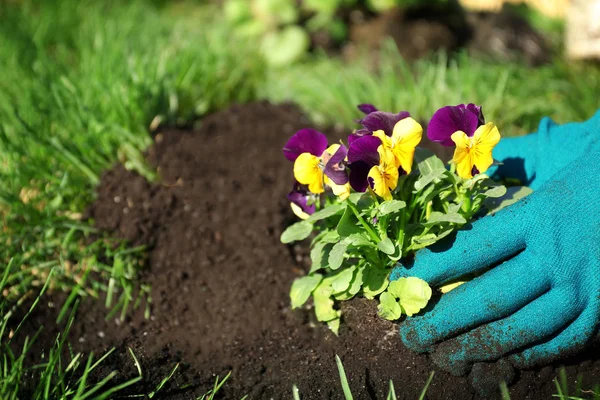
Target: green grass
{"points": [[82, 84], [348, 392], [513, 96], [60, 375]]}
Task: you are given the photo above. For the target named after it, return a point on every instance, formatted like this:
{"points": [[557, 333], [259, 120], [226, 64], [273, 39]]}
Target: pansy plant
{"points": [[374, 203]]}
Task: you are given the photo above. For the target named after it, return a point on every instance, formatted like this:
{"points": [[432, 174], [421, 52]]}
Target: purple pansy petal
{"points": [[478, 110], [305, 141], [335, 168], [359, 172], [300, 197], [450, 119], [362, 155], [364, 149], [385, 121], [358, 133], [367, 108]]}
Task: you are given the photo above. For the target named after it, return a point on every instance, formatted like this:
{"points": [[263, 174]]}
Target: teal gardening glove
{"points": [[541, 301]]}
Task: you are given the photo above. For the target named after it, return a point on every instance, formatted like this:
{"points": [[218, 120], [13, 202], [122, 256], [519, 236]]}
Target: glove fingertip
{"points": [[486, 377], [409, 334]]}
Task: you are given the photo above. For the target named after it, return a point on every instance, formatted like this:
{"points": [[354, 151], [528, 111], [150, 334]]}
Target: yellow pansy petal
{"points": [[298, 211], [342, 191], [380, 186], [332, 149], [391, 176], [484, 140], [461, 140], [486, 136], [386, 141], [316, 187], [404, 158], [462, 154], [407, 133], [388, 167], [451, 286], [307, 172], [386, 156], [406, 136], [464, 165]]}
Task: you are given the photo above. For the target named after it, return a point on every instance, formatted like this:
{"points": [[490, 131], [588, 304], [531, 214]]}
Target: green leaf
{"points": [[495, 192], [324, 303], [330, 237], [318, 254], [387, 246], [355, 197], [453, 208], [418, 242], [359, 239], [414, 294], [302, 288], [512, 195], [374, 281], [430, 167], [357, 280], [342, 279], [326, 212], [365, 201], [388, 307], [336, 255], [334, 325], [437, 217], [355, 285], [348, 224], [391, 206], [298, 231]]}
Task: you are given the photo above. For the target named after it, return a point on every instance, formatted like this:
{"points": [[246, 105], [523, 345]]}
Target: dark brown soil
{"points": [[220, 279]]}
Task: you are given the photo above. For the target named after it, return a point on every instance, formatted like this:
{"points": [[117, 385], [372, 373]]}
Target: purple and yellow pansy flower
{"points": [[464, 126], [378, 160], [447, 120], [406, 135], [473, 155], [376, 120], [362, 156], [335, 175], [301, 201], [383, 178], [316, 164], [305, 148]]}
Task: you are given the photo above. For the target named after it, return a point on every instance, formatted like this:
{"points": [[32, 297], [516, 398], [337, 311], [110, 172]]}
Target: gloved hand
{"points": [[542, 300], [534, 158]]}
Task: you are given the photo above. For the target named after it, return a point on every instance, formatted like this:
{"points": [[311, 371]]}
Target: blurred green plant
{"points": [[283, 28], [272, 23], [515, 97]]}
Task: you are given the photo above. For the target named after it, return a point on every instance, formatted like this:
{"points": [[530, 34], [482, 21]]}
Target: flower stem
{"points": [[363, 222], [401, 230]]}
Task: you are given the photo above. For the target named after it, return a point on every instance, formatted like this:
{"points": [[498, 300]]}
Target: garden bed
{"points": [[220, 280]]}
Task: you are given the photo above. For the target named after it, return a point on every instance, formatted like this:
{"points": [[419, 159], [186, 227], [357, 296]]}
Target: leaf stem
{"points": [[401, 230], [363, 222]]}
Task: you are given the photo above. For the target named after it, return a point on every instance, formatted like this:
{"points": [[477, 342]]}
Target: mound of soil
{"points": [[220, 279]]}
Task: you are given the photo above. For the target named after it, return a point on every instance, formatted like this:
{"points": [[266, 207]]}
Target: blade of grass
{"points": [[343, 379]]}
